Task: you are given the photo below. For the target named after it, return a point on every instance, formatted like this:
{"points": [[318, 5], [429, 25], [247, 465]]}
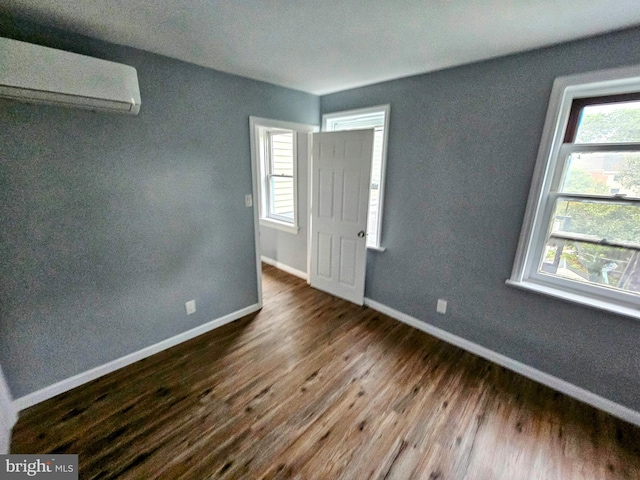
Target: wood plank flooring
{"points": [[313, 387]]}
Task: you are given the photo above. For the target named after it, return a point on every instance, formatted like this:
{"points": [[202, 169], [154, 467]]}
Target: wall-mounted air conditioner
{"points": [[35, 74]]}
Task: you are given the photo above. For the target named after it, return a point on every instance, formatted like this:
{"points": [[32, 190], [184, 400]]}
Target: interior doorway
{"points": [[329, 260]]}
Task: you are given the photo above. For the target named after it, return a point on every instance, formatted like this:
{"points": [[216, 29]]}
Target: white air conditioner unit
{"points": [[35, 74]]}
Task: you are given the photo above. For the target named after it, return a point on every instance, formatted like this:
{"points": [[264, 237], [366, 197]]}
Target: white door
{"points": [[341, 174]]}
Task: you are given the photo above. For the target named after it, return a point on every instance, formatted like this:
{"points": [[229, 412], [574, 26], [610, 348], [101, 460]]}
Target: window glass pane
{"points": [[609, 123], [611, 267], [282, 153], [603, 173], [356, 122], [281, 201], [598, 220], [573, 249], [374, 194]]}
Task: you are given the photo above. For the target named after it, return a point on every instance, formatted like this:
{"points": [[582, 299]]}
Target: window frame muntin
{"points": [[536, 221], [386, 109]]}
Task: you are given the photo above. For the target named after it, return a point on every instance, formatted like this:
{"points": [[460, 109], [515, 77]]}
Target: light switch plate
{"points": [[190, 307]]}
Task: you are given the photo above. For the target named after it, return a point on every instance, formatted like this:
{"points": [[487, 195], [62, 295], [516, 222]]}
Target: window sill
{"points": [[576, 298], [376, 248], [285, 227]]}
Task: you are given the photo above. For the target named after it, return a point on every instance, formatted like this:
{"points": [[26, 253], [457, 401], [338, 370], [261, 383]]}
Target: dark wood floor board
{"points": [[311, 400], [291, 357], [371, 393], [280, 395], [407, 423], [67, 418], [314, 387], [273, 406]]}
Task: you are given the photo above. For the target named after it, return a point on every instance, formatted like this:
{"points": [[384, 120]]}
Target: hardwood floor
{"points": [[313, 387]]}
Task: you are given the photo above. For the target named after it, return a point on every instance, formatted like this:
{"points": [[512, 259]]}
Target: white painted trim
{"points": [[8, 415], [7, 409], [309, 201], [569, 296], [255, 191], [284, 227], [84, 377], [555, 383], [285, 268]]}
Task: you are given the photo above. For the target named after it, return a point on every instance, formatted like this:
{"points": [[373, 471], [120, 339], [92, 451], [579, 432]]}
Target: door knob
{"points": [[361, 233]]}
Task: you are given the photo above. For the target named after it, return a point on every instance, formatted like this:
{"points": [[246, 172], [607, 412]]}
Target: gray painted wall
{"points": [[111, 223], [284, 247], [462, 147]]}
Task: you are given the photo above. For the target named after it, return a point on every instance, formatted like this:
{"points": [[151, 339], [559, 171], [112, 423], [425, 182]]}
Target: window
{"points": [[581, 234], [278, 148], [274, 150], [378, 119]]}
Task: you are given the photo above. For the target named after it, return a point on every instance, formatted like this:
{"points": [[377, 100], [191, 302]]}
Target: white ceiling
{"points": [[323, 46]]}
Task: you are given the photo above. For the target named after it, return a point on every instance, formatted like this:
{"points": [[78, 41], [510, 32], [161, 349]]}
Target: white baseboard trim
{"points": [[555, 383], [84, 377], [284, 267]]}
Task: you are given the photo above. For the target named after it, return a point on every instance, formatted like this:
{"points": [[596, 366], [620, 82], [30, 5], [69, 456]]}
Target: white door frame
{"points": [[255, 178], [8, 415]]}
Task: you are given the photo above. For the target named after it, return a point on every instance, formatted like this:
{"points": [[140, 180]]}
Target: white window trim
{"points": [[282, 226], [525, 268], [328, 117], [256, 124]]}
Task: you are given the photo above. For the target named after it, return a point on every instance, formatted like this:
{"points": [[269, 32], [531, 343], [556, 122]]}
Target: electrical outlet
{"points": [[248, 200], [442, 306], [190, 306]]}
